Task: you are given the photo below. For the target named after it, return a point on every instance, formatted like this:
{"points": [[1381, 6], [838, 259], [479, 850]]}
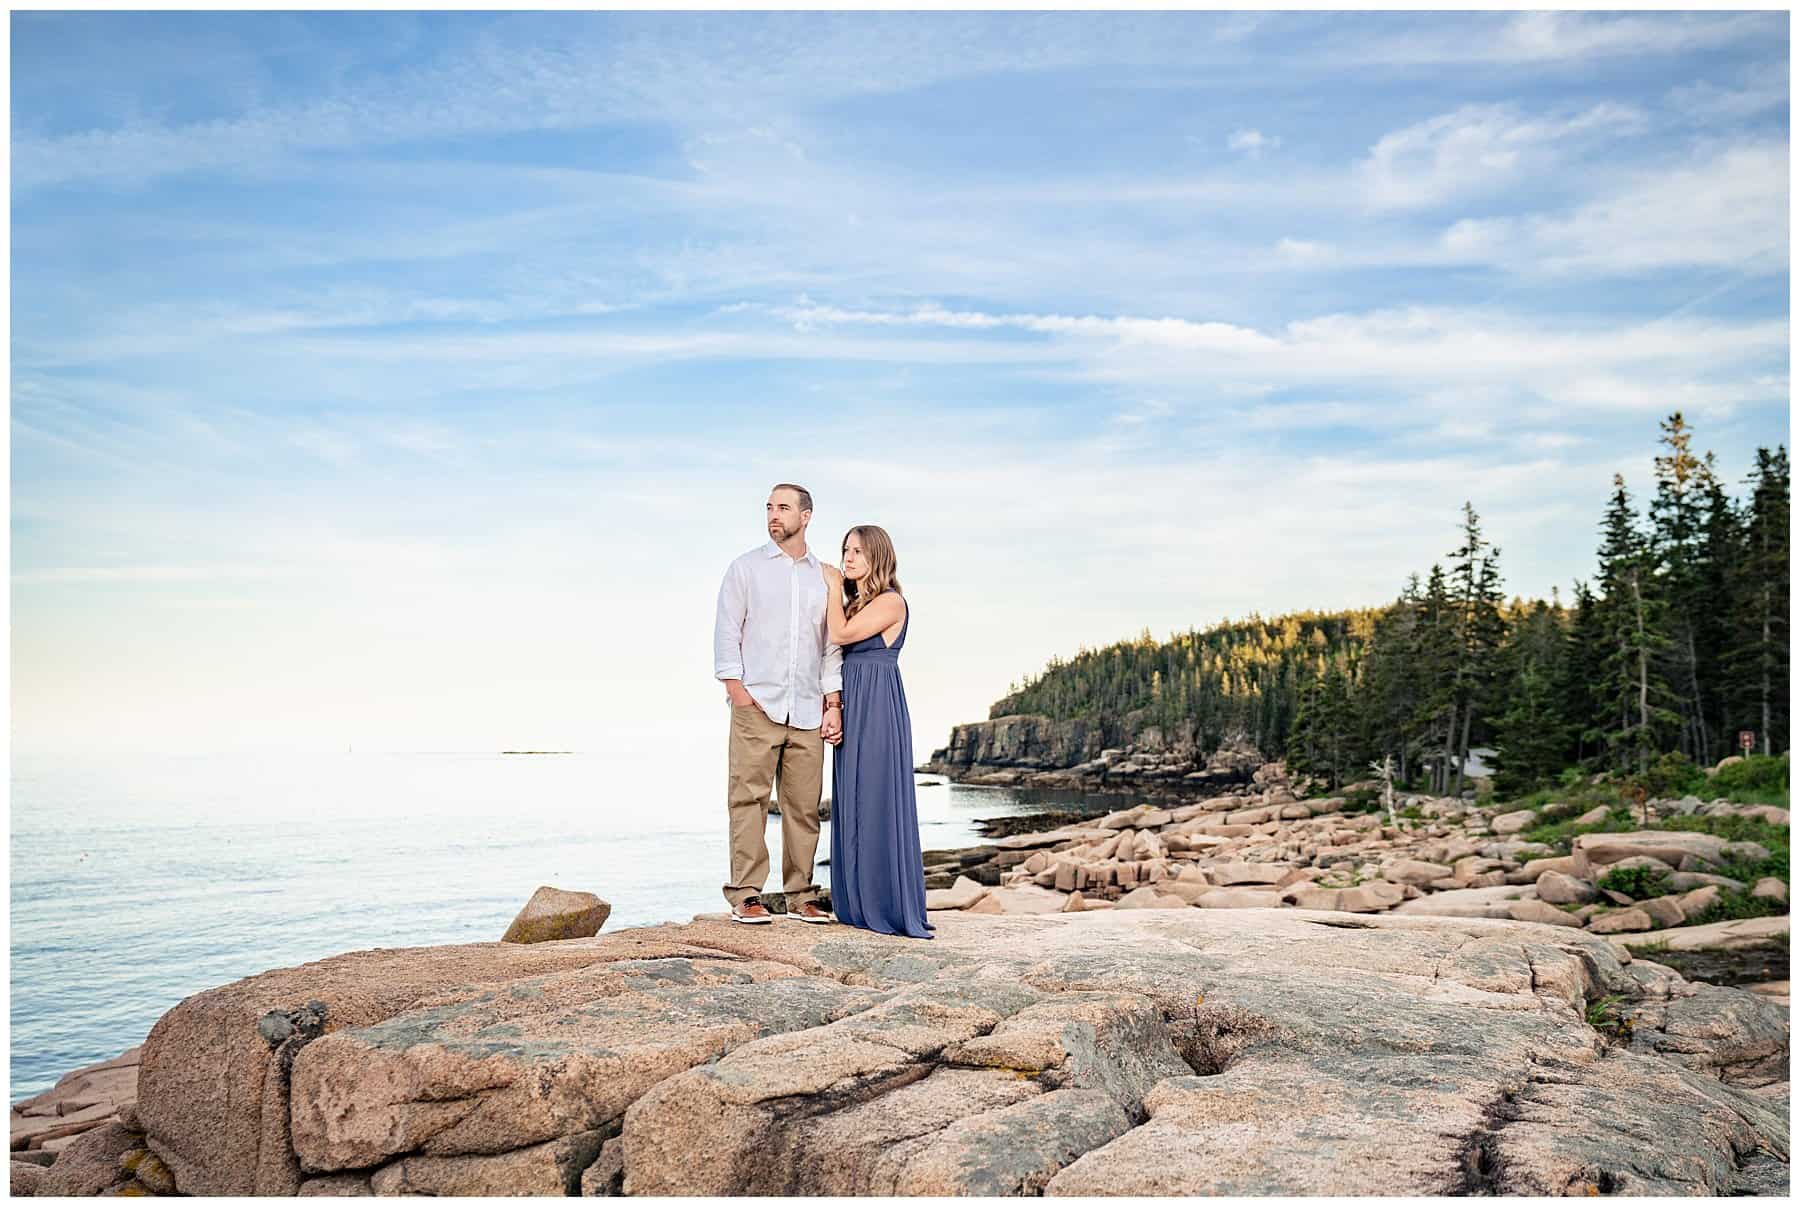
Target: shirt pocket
{"points": [[812, 600]]}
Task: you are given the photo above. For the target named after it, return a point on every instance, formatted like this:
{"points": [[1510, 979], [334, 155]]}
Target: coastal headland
{"points": [[1128, 753]]}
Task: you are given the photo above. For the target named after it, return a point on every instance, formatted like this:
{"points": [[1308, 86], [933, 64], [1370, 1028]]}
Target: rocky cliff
{"points": [[1160, 1051], [1096, 755]]}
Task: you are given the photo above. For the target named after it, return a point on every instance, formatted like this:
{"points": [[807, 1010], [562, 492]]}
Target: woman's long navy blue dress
{"points": [[877, 872]]}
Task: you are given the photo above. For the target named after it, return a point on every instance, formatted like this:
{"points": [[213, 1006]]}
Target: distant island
{"points": [[537, 752]]}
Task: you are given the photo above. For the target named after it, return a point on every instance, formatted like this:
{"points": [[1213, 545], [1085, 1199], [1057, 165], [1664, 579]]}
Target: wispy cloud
{"points": [[1252, 142], [1550, 38], [1410, 349], [1755, 90], [1715, 212], [1478, 147]]}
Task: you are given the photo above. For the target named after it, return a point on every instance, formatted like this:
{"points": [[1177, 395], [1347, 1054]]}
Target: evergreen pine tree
{"points": [[1437, 651], [1530, 731], [1759, 654], [1578, 690], [1719, 577], [1675, 578], [1636, 694], [1475, 599]]}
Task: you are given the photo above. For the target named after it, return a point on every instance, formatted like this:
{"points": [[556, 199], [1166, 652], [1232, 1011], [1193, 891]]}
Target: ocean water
{"points": [[138, 880]]}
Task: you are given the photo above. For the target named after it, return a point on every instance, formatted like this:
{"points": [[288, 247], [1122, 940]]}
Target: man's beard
{"points": [[781, 532]]}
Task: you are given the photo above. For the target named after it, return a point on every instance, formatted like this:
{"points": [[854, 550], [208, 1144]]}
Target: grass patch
{"points": [[1736, 903], [1732, 828], [1758, 780], [1757, 797], [1560, 834], [1605, 1016], [1559, 829]]}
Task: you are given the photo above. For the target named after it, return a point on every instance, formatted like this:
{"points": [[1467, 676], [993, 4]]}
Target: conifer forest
{"points": [[1675, 645]]}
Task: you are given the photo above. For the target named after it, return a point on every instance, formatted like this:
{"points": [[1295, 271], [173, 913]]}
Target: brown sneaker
{"points": [[751, 909], [809, 911]]}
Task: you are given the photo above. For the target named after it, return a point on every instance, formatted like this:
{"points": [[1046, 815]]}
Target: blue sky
{"points": [[408, 380]]}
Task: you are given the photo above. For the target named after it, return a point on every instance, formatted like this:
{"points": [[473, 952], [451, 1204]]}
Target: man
{"points": [[785, 683]]}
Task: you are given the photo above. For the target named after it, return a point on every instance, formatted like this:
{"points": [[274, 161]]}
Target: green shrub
{"points": [[1673, 774], [1733, 828], [1532, 800], [1639, 883], [1755, 779]]}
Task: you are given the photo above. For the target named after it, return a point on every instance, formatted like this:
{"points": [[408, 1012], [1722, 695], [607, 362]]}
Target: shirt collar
{"points": [[773, 550]]}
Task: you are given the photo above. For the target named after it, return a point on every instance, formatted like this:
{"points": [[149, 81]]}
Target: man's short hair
{"points": [[805, 494]]}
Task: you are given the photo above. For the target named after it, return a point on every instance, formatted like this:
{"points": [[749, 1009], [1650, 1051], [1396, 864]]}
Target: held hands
{"points": [[832, 728]]}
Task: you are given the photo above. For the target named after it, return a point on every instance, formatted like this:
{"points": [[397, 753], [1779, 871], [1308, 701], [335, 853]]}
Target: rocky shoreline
{"points": [[1260, 846], [1193, 1051], [1251, 993]]}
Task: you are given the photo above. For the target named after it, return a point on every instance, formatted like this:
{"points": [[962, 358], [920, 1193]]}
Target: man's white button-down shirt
{"points": [[770, 633]]}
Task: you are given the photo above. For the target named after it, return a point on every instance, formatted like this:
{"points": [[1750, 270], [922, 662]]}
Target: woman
{"points": [[877, 873]]}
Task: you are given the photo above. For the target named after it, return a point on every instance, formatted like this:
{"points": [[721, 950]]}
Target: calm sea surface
{"points": [[138, 880]]}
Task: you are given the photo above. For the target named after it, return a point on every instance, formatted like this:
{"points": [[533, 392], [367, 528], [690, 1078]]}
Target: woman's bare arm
{"points": [[881, 613]]}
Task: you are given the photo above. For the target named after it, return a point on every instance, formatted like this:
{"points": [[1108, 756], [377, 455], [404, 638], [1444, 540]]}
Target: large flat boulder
{"points": [[1020, 899], [1177, 1051], [961, 1120], [1415, 871], [1521, 1127], [1242, 897], [1593, 853], [1152, 897], [1489, 901], [539, 1058], [212, 1090], [1713, 936], [1235, 872]]}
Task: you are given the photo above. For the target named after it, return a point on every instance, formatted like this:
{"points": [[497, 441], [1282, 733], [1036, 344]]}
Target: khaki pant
{"points": [[763, 751]]}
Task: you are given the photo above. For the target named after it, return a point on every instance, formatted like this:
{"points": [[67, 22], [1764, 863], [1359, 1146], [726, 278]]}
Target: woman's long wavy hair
{"points": [[878, 551]]}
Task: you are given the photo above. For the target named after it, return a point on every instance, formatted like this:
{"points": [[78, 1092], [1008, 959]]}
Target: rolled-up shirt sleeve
{"points": [[728, 626], [831, 669]]}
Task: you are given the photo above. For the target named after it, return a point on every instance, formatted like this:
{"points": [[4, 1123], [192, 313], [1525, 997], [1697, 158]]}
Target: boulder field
{"points": [[1261, 846], [1255, 1051]]}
